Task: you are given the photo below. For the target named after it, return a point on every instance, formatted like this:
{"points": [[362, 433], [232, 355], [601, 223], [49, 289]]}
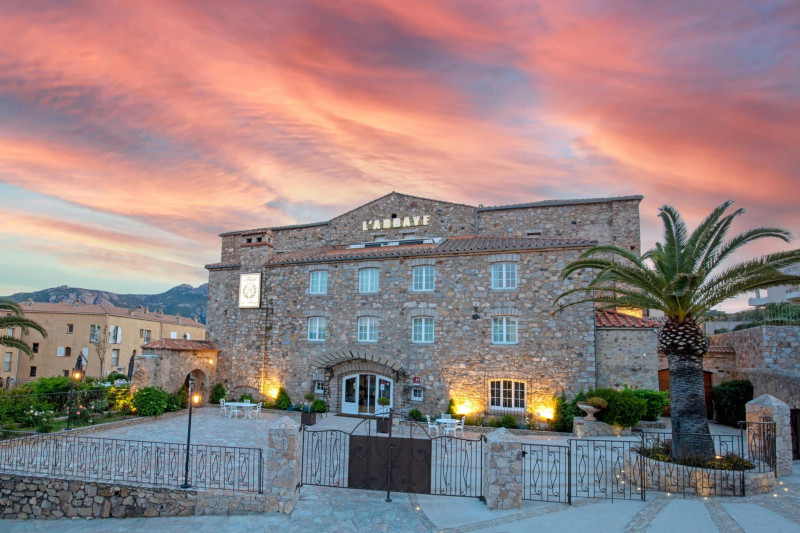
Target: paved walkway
{"points": [[343, 510]]}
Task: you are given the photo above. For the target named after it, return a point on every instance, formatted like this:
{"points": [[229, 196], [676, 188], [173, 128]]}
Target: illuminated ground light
{"points": [[464, 408], [544, 412]]}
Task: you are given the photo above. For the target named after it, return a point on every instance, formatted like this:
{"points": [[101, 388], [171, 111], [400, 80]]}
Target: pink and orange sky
{"points": [[132, 133]]}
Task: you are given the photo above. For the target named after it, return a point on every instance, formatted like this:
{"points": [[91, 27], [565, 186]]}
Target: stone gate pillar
{"points": [[769, 406], [282, 465], [502, 471]]}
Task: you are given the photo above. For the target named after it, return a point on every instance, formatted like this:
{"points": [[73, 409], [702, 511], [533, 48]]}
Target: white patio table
{"points": [[246, 408]]}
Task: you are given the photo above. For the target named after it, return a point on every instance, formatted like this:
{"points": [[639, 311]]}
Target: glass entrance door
{"points": [[360, 393]]}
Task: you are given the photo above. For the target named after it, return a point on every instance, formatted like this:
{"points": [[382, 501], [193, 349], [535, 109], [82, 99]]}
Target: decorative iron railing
{"points": [[139, 462], [546, 471]]}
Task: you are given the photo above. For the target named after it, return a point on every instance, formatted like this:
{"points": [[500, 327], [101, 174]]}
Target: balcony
{"points": [[793, 295], [756, 302]]}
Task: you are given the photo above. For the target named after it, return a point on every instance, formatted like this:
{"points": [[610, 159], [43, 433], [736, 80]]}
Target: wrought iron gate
{"points": [[408, 460]]}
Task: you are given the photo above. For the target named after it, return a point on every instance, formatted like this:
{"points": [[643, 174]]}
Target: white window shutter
{"points": [[85, 352], [119, 334], [60, 351]]}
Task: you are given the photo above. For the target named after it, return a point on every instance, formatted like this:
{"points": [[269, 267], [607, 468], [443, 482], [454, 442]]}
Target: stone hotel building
{"points": [[421, 301]]}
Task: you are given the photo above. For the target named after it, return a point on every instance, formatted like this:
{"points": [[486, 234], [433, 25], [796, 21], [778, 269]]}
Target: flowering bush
{"points": [[42, 421], [126, 409], [80, 413], [98, 406]]}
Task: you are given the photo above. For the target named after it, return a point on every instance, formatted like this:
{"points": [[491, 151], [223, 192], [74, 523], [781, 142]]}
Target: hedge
{"points": [[729, 401]]}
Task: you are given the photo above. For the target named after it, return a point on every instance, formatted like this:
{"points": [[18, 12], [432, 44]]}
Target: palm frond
{"points": [[14, 321], [12, 342], [720, 254], [10, 305]]}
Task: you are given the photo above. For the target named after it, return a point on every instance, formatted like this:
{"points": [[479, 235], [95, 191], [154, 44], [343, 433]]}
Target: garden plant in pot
{"points": [[591, 406], [383, 420], [308, 417]]}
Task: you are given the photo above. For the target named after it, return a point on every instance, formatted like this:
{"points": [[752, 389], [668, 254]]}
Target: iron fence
{"points": [[131, 461], [546, 471], [457, 466]]}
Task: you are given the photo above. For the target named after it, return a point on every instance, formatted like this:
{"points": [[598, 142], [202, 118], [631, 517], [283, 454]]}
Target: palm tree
{"points": [[15, 319], [684, 279]]}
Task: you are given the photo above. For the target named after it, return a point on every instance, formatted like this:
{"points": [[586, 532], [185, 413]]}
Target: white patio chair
{"points": [[446, 415], [222, 408], [255, 412], [432, 425], [461, 426], [233, 411]]}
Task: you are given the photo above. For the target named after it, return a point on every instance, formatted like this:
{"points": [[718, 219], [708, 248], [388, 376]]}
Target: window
{"points": [[367, 329], [187, 336], [319, 282], [115, 335], [507, 394], [416, 395], [319, 387], [317, 328], [504, 276], [33, 371], [368, 280], [422, 329], [68, 352], [35, 347], [114, 358], [141, 333], [504, 330], [147, 335], [60, 351], [65, 373], [69, 328], [7, 362], [423, 278], [10, 332], [173, 334], [94, 336]]}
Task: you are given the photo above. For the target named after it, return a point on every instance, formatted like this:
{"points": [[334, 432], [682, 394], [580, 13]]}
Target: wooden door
{"points": [[663, 384]]}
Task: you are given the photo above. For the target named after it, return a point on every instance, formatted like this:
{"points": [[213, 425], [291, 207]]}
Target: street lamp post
{"points": [[76, 376], [186, 484]]}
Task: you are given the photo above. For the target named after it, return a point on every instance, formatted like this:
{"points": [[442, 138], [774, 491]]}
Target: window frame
{"points": [[7, 362], [370, 271], [502, 282], [320, 325], [504, 322], [419, 283], [369, 325], [422, 330], [94, 334], [111, 362], [70, 328], [321, 285], [507, 394], [32, 372]]}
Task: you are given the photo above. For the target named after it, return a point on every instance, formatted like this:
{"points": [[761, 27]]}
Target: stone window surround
{"points": [[433, 333], [321, 328], [374, 319], [413, 270], [514, 381], [368, 265], [311, 272], [506, 325]]}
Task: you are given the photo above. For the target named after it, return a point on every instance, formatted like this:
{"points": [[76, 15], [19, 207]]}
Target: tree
{"points": [[16, 319], [101, 347], [683, 278]]}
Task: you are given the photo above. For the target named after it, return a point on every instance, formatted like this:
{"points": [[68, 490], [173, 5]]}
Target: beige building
{"points": [[74, 330]]}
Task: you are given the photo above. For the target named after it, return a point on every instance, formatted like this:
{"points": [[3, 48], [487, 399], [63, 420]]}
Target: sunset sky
{"points": [[132, 133]]}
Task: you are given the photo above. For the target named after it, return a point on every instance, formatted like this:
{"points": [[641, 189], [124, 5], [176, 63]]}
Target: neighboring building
{"points": [[74, 330], [776, 295], [422, 301]]}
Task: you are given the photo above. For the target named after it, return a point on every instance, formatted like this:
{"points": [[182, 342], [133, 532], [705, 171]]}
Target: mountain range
{"points": [[184, 299]]}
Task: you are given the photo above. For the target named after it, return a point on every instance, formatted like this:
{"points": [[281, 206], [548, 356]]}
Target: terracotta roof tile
{"points": [[180, 345], [612, 319], [453, 245], [102, 309]]}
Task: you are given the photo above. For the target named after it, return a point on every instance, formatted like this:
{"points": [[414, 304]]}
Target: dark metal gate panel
{"points": [[795, 418], [325, 458], [610, 469], [370, 458], [546, 473], [457, 466]]}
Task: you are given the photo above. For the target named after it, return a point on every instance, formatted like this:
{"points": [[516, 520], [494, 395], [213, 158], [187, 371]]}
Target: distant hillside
{"points": [[184, 299]]}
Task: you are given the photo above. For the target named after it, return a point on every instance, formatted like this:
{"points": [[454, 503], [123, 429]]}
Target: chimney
{"points": [[146, 309], [30, 301], [179, 317]]}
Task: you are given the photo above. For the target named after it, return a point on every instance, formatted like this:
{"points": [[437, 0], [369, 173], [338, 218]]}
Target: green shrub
{"points": [[495, 422], [45, 422], [624, 410], [247, 396], [508, 421], [173, 403], [117, 396], [451, 407], [282, 401], [98, 406], [217, 393], [415, 414], [80, 412], [564, 412], [183, 396], [473, 421], [655, 402], [150, 401], [318, 406], [16, 403], [729, 401], [112, 377]]}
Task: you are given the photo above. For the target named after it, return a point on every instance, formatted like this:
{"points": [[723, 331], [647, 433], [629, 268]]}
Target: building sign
{"points": [[416, 380], [397, 222], [250, 291]]}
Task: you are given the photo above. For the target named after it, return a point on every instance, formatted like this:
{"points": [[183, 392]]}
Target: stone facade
{"points": [[627, 357], [770, 408], [282, 465], [169, 368], [264, 348]]}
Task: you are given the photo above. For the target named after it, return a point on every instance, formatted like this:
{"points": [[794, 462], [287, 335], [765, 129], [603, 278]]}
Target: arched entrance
{"points": [[360, 393], [200, 384]]}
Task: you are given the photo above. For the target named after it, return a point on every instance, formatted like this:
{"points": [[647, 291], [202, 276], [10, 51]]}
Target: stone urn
{"points": [[590, 411]]}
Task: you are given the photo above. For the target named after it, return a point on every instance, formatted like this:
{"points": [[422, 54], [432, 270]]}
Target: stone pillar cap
{"points": [[766, 400]]}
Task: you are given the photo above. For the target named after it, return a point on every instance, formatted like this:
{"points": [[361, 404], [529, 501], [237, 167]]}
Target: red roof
{"points": [[102, 309], [453, 245], [613, 319], [180, 345]]}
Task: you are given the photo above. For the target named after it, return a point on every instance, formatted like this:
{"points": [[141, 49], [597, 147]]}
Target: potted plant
{"points": [[591, 406], [383, 420], [308, 417]]}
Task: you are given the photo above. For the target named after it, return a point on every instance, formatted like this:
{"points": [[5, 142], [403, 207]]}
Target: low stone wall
{"points": [[587, 428], [783, 385], [44, 498]]}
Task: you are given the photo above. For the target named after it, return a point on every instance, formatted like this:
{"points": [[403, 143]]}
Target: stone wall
{"points": [[168, 369], [627, 357], [24, 497], [764, 347], [783, 385], [502, 471], [770, 408]]}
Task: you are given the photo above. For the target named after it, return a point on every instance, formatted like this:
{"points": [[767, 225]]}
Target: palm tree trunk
{"points": [[690, 433]]}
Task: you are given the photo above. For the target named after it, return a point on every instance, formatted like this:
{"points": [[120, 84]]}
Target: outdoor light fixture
{"points": [[186, 484], [196, 398]]}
